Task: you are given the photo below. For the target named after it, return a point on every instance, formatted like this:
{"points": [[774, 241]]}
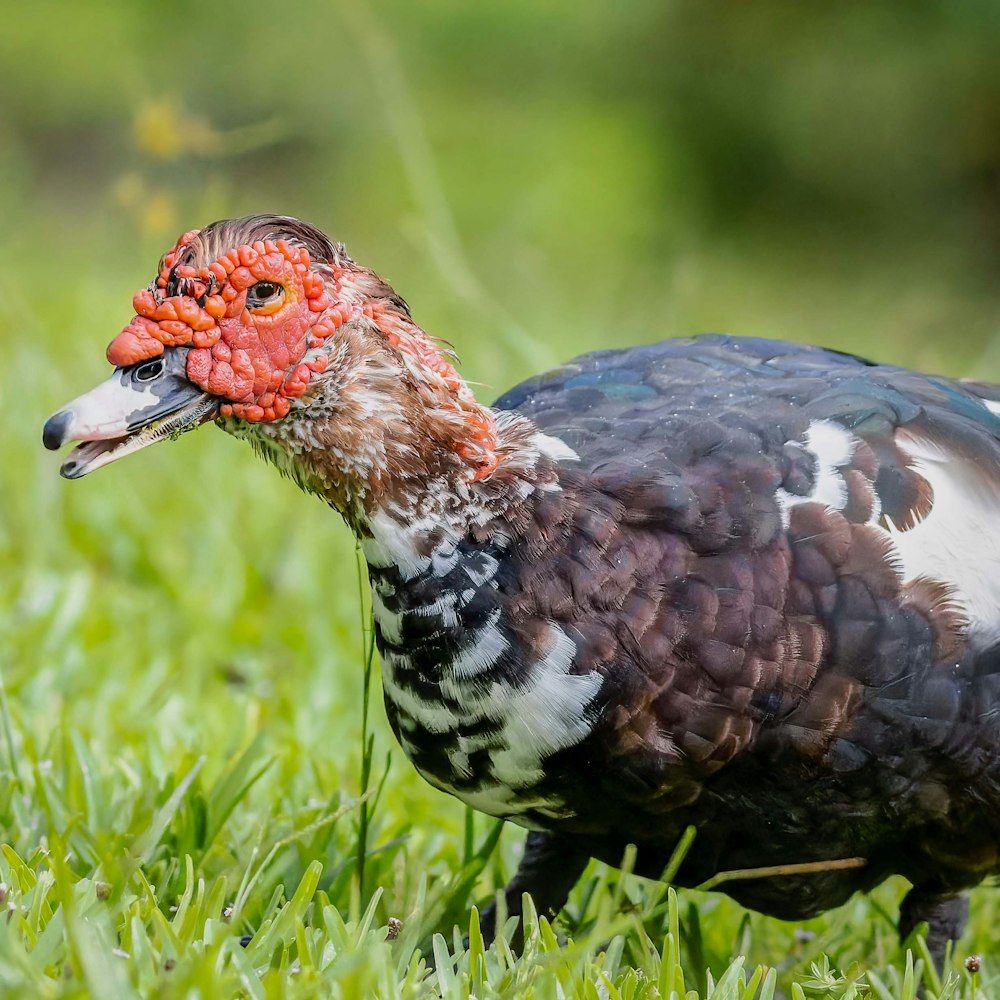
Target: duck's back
{"points": [[784, 563]]}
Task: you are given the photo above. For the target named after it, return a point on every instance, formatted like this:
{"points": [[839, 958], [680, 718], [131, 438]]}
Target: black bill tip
{"points": [[72, 469], [55, 433]]}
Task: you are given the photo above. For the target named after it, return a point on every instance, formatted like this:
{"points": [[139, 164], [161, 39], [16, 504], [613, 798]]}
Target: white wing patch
{"points": [[958, 543], [832, 447]]}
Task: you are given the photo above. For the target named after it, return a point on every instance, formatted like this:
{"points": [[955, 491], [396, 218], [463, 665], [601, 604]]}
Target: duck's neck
{"points": [[392, 437], [448, 498], [416, 527]]}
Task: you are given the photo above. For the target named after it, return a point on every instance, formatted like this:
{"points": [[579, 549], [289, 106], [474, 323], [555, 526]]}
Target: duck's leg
{"points": [[549, 869], [944, 911]]}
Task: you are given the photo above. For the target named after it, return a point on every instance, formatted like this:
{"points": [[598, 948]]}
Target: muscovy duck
{"points": [[742, 585]]}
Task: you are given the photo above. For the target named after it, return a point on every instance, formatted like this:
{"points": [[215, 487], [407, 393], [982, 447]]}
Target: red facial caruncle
{"points": [[254, 314], [248, 317]]}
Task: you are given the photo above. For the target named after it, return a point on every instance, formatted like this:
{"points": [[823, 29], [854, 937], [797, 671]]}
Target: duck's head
{"points": [[263, 323]]}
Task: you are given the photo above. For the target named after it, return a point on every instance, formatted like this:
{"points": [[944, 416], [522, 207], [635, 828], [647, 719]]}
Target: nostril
{"points": [[56, 429]]}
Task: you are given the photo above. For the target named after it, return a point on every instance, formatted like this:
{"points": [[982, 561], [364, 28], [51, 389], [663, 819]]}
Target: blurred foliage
{"points": [[537, 179], [824, 172]]}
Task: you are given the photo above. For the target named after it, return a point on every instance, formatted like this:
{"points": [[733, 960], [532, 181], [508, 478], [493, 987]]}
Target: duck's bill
{"points": [[136, 407]]}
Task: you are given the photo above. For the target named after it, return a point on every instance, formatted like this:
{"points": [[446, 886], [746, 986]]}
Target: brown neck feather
{"points": [[391, 426]]}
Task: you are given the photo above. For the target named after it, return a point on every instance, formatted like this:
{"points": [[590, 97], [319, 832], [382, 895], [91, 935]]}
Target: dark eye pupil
{"points": [[264, 290], [148, 371]]}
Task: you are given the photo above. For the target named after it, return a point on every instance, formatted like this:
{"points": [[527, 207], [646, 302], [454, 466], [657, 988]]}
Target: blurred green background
{"points": [[537, 179]]}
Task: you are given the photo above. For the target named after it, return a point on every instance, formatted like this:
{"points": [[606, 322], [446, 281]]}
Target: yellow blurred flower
{"points": [[164, 131]]}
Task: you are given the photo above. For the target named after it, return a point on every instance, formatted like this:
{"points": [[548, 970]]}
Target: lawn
{"points": [[199, 792]]}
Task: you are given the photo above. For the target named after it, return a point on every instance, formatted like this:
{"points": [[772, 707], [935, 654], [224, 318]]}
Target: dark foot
{"points": [[549, 869], [944, 912]]}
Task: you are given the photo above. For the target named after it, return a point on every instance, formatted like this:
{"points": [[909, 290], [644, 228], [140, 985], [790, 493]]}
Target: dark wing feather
{"points": [[775, 387], [738, 585]]}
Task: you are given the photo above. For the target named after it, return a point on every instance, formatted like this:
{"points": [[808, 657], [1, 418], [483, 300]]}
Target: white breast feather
{"points": [[549, 714], [545, 710]]}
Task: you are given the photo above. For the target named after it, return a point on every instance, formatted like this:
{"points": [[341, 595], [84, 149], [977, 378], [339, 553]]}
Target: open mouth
{"points": [[93, 455], [137, 406]]}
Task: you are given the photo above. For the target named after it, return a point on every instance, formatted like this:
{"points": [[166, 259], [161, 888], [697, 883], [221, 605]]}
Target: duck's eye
{"points": [[148, 371], [263, 291], [265, 297]]}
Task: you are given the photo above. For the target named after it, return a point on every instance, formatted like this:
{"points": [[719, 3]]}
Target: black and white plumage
{"points": [[739, 584], [771, 604]]}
